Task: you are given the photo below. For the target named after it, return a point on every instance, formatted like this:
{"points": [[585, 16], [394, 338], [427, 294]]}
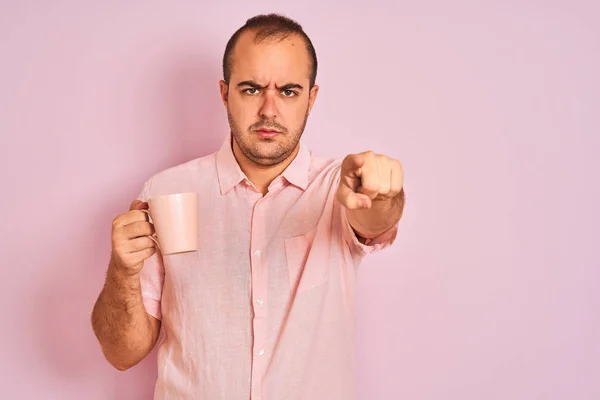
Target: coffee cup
{"points": [[175, 220]]}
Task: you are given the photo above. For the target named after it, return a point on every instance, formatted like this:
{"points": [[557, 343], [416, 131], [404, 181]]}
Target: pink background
{"points": [[493, 107]]}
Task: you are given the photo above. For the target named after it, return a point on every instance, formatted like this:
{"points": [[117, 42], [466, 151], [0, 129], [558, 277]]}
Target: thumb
{"points": [[138, 205]]}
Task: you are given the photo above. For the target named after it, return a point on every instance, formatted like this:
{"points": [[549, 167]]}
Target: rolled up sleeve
{"points": [[152, 274]]}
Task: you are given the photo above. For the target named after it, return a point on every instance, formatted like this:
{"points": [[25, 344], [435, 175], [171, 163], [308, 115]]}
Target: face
{"points": [[268, 98]]}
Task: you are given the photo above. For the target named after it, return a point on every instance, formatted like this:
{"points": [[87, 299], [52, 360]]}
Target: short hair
{"points": [[269, 26]]}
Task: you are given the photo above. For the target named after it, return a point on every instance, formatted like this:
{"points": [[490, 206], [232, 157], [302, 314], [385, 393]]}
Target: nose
{"points": [[268, 109]]}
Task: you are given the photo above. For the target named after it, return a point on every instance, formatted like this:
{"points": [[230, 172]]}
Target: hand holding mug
{"points": [[131, 244]]}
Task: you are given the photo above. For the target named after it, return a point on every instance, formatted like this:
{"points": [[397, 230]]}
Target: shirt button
{"points": [[257, 253], [259, 302], [261, 352]]}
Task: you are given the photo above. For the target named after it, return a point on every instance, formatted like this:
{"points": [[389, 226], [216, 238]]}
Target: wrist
{"points": [[122, 275]]}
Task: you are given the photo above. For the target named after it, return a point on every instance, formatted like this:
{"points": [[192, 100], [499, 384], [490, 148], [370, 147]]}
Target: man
{"points": [[264, 310]]}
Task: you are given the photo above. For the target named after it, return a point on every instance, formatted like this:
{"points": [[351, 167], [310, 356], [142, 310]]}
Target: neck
{"points": [[261, 176]]}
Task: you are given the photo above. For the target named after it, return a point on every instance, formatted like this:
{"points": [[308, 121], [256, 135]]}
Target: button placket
{"points": [[259, 271]]}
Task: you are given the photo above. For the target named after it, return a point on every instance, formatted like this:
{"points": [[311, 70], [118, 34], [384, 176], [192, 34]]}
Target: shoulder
{"points": [[192, 167], [189, 176], [324, 170]]}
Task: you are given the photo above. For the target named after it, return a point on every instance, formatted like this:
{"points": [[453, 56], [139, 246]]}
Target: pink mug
{"points": [[175, 219]]}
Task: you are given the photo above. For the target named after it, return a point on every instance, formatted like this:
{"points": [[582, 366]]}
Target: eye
{"points": [[289, 93], [251, 91]]}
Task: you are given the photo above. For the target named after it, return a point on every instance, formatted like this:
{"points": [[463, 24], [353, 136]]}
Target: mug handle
{"points": [[152, 237]]}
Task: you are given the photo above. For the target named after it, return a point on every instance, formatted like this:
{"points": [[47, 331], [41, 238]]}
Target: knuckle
{"points": [[117, 230], [116, 236], [119, 248]]}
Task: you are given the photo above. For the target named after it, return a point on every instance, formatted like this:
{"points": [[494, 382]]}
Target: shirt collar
{"points": [[230, 174], [297, 172]]}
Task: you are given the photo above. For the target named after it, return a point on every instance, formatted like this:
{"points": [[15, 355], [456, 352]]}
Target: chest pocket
{"points": [[307, 260]]}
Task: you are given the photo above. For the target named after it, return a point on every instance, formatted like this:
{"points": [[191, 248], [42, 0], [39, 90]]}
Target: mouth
{"points": [[267, 133]]}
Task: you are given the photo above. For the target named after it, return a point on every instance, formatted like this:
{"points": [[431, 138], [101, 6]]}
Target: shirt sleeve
{"points": [[370, 246], [152, 274]]}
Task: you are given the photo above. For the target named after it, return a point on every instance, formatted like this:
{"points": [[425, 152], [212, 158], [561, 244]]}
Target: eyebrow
{"points": [[255, 85]]}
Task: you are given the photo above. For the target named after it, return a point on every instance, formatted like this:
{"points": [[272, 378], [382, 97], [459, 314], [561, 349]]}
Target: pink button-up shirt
{"points": [[264, 310]]}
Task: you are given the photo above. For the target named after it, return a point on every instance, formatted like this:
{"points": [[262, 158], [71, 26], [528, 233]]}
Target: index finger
{"points": [[130, 217], [352, 164]]}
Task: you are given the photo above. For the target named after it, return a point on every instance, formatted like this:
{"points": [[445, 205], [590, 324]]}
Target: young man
{"points": [[264, 310]]}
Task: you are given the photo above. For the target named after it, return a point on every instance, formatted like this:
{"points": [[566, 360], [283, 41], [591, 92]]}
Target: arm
{"points": [[371, 189], [126, 332]]}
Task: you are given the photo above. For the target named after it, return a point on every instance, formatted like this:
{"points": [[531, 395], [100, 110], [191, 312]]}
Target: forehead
{"points": [[270, 60]]}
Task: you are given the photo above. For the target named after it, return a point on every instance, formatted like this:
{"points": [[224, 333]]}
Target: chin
{"points": [[269, 157]]}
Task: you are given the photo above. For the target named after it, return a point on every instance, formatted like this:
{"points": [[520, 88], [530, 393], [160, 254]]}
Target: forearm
{"points": [[120, 321], [382, 216]]}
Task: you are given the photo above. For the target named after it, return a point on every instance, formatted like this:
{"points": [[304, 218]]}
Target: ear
{"points": [[224, 88], [312, 96]]}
